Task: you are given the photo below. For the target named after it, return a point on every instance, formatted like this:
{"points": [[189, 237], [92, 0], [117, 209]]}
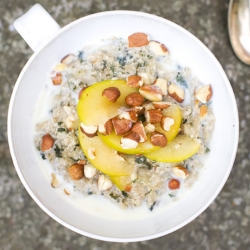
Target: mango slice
{"points": [[105, 158], [181, 148], [174, 112], [122, 182], [113, 141], [95, 109]]}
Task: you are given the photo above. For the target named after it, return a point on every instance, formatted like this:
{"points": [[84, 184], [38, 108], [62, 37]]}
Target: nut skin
{"points": [[204, 93], [176, 92], [173, 184], [134, 81], [158, 139], [134, 99], [161, 105], [47, 142], [138, 40], [81, 91], [203, 110], [130, 140], [89, 135], [153, 115], [76, 172], [151, 92], [180, 171], [139, 129], [109, 127], [111, 93], [121, 126], [57, 79], [164, 48], [133, 136], [68, 59]]}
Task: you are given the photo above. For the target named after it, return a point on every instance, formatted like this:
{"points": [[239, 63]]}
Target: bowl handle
{"points": [[36, 26]]}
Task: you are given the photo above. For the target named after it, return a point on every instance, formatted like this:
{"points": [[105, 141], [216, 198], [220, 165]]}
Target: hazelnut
{"points": [[90, 131], [138, 40], [204, 93], [104, 183], [134, 99], [121, 126], [106, 128], [158, 48], [76, 171], [55, 182], [134, 81], [162, 84], [47, 142], [149, 128], [131, 140], [158, 139], [161, 105], [173, 184], [151, 92], [68, 59], [180, 171], [176, 92], [139, 129], [153, 115], [57, 79], [167, 122], [203, 111], [89, 171], [111, 93]]}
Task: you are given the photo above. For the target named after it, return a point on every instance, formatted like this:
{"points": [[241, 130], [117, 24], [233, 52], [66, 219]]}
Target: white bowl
{"points": [[184, 48]]}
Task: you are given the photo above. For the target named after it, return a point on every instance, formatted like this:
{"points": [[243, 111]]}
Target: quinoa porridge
{"points": [[125, 121]]}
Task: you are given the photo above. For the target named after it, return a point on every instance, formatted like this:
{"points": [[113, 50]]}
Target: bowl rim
{"points": [[158, 19]]}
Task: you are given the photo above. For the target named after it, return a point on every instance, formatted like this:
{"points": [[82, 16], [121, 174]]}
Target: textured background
{"points": [[224, 225]]}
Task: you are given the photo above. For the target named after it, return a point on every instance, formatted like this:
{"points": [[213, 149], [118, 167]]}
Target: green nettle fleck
{"points": [[58, 151], [207, 150], [60, 123], [180, 79], [124, 194], [113, 196], [171, 195], [61, 129], [143, 160]]}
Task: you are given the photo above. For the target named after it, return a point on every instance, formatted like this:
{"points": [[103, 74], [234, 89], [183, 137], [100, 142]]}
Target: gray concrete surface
{"points": [[225, 225]]}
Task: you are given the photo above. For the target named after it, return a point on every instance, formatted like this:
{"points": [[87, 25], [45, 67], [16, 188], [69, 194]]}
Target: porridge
{"points": [[125, 122]]}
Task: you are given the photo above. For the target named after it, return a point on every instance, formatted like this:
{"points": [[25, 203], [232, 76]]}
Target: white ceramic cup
{"points": [[50, 44]]}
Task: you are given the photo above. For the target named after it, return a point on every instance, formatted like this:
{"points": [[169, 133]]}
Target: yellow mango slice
{"points": [[95, 109], [113, 141], [181, 148], [105, 158], [122, 182], [174, 112]]}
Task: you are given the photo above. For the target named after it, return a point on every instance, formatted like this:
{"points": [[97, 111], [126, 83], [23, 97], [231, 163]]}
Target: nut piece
{"points": [[66, 191], [81, 162], [121, 126], [204, 93], [131, 140], [139, 129], [149, 128], [146, 78], [162, 84], [161, 105], [104, 183], [106, 128], [153, 115], [71, 122], [173, 184], [151, 92], [158, 139], [158, 48], [55, 182], [90, 131], [129, 115], [134, 99], [111, 93], [47, 142], [81, 91], [57, 79], [148, 105], [203, 111], [167, 122], [181, 172], [91, 153], [134, 81], [76, 172], [176, 92], [89, 171], [60, 67], [137, 40], [68, 59]]}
